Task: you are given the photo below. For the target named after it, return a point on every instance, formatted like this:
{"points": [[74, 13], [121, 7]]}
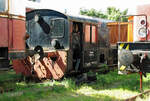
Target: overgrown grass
{"points": [[8, 79], [108, 87], [8, 75], [114, 81]]}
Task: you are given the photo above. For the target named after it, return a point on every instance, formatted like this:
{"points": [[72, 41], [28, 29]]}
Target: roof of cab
{"points": [[88, 19], [77, 18]]}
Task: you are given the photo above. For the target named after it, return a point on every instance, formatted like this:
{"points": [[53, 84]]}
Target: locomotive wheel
{"points": [[44, 68]]}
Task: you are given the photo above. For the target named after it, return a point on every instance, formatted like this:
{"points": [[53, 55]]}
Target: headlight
{"points": [[36, 18], [125, 57], [142, 32], [142, 22]]}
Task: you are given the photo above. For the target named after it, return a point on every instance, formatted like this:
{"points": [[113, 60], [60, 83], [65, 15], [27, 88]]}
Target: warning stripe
{"points": [[121, 45], [124, 46], [127, 48], [122, 67]]}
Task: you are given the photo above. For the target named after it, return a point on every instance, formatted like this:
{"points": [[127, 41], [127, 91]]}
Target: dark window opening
{"points": [[102, 58], [4, 53], [90, 34]]}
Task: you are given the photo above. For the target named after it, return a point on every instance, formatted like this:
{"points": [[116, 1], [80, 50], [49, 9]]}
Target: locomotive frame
{"points": [[36, 49], [56, 53]]}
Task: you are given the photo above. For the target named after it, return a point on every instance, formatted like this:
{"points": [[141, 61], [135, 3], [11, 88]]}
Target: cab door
{"points": [[90, 45]]}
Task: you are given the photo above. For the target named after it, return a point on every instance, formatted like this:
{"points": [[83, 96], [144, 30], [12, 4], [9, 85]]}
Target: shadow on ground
{"points": [[114, 81]]}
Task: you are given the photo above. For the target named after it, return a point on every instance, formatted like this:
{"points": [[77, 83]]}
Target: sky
{"points": [[73, 6]]}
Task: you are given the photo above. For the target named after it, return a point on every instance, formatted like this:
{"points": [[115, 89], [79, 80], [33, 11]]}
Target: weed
{"points": [[108, 87]]}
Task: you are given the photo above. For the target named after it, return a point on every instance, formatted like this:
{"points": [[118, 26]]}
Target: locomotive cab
{"points": [[47, 30]]}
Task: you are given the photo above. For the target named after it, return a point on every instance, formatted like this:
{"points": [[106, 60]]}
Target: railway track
{"points": [[139, 95]]}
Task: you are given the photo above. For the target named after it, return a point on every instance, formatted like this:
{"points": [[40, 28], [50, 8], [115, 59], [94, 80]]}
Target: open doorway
{"points": [[77, 45]]}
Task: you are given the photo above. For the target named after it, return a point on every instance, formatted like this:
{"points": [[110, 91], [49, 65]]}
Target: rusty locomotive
{"points": [[47, 44]]}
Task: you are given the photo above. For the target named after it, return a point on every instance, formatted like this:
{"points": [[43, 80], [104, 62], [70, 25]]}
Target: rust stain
{"points": [[40, 70], [22, 67], [4, 32], [45, 68], [51, 69]]}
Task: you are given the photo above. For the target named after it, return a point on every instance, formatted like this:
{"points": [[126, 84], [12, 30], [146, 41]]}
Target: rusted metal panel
{"points": [[87, 33], [52, 66], [54, 69], [69, 60], [3, 32], [103, 36], [22, 66], [61, 59], [113, 32], [93, 37], [40, 70], [94, 34], [18, 34], [12, 33]]}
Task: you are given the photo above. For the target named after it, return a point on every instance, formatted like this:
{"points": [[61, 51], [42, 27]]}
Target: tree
{"points": [[92, 12], [112, 13]]}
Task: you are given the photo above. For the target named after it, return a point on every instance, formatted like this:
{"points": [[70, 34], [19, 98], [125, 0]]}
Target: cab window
{"points": [[90, 34], [57, 27]]}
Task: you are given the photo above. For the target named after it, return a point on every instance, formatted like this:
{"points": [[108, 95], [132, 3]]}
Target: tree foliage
{"points": [[92, 12], [111, 13]]}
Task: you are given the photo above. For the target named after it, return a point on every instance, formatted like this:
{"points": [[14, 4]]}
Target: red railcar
{"points": [[12, 29]]}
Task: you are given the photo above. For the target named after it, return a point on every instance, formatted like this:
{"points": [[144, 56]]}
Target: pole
{"points": [[141, 78]]}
